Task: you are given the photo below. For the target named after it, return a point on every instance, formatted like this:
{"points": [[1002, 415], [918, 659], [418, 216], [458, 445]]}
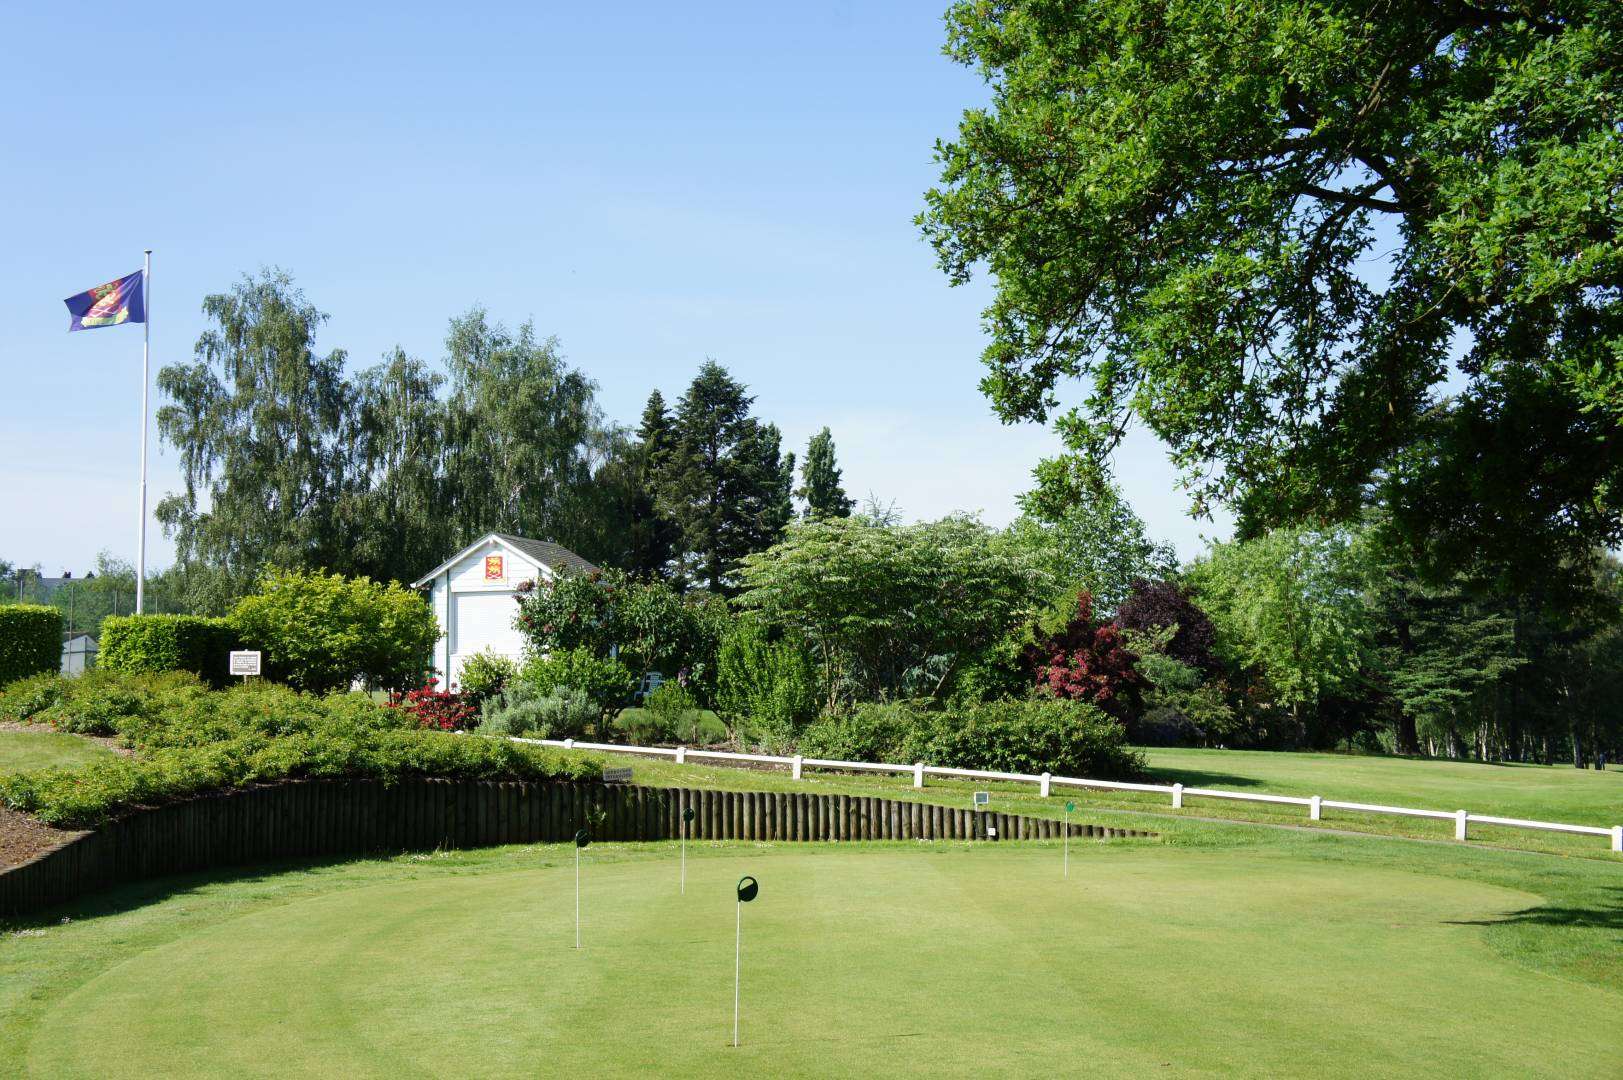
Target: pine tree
{"points": [[820, 480], [653, 537], [723, 484]]}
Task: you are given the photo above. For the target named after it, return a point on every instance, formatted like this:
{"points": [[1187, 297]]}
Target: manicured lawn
{"points": [[1543, 792], [1225, 951], [24, 750], [1538, 792]]}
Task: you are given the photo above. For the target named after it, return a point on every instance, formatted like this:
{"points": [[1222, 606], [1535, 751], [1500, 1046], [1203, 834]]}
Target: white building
{"points": [[475, 593]]}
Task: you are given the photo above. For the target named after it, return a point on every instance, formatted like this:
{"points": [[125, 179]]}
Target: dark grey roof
{"points": [[556, 556]]}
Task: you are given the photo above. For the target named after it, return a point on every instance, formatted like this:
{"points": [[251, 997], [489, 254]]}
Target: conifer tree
{"points": [[820, 480]]}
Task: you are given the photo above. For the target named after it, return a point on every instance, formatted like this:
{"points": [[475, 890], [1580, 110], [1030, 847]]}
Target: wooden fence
{"points": [[352, 817]]}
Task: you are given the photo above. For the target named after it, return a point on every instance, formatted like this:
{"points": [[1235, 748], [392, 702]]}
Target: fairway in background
{"points": [[21, 751]]}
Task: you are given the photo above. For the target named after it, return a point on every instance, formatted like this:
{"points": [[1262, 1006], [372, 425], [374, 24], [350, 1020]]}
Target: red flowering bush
{"points": [[440, 710], [1086, 660]]}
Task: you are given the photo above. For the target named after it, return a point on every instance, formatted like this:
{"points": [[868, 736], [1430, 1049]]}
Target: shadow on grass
{"points": [[125, 897], [1605, 915], [1200, 778]]}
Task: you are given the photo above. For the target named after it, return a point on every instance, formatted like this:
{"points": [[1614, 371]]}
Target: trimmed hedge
{"points": [[1034, 736], [30, 641], [149, 644], [191, 741]]}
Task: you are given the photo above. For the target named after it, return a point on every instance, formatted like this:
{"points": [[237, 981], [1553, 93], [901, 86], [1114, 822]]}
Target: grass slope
{"points": [[1588, 798], [1225, 951], [1542, 792], [21, 751]]}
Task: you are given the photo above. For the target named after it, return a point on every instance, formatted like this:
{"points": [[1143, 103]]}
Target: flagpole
{"points": [[146, 380]]}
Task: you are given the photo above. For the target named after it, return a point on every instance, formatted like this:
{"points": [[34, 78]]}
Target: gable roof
{"points": [[552, 556]]}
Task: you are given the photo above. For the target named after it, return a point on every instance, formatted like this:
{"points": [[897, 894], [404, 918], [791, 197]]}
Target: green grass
{"points": [[1546, 793], [21, 751], [1542, 792], [1226, 950]]}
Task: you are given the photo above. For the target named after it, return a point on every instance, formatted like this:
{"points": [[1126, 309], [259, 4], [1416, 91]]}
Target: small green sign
{"points": [[1069, 807], [748, 887], [583, 837]]}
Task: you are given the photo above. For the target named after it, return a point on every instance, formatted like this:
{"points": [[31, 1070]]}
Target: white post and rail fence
{"points": [[1046, 782]]}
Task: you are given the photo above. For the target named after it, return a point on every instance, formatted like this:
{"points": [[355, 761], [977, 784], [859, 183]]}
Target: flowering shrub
{"points": [[1085, 660], [439, 710]]}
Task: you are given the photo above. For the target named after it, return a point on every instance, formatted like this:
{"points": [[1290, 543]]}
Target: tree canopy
{"points": [[1329, 252]]}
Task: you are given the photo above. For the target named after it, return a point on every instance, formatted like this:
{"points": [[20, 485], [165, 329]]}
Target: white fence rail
{"points": [[1046, 782]]}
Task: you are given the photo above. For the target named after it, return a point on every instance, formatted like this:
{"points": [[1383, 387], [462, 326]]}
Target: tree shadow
{"points": [[1606, 915], [1200, 778]]}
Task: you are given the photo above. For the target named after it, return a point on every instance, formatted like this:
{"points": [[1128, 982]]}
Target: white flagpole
{"points": [[146, 380]]}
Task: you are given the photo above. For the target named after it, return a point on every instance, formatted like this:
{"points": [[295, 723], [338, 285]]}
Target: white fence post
{"points": [[796, 773], [1046, 778], [1177, 796], [1460, 817], [681, 755], [918, 774], [1617, 837], [1313, 808]]}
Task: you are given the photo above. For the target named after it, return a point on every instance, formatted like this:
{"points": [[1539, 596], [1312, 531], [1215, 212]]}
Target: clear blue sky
{"points": [[654, 184]]}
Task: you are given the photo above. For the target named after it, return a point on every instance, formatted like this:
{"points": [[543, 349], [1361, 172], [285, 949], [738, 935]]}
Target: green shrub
{"points": [[199, 741], [485, 674], [690, 727], [1030, 736], [98, 702], [30, 641], [767, 688], [322, 632], [146, 644], [1039, 735], [871, 732], [556, 712], [608, 683]]}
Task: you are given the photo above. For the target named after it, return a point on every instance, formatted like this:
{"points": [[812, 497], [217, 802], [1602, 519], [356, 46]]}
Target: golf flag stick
{"points": [[1067, 871], [687, 816], [747, 889], [582, 838]]}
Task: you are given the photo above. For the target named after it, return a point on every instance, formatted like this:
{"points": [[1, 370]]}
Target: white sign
{"points": [[983, 798], [245, 662]]}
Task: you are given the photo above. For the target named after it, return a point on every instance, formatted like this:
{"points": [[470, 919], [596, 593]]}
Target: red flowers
{"points": [[438, 709]]}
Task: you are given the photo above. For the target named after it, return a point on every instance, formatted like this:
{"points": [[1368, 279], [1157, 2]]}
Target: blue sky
{"points": [[653, 184]]}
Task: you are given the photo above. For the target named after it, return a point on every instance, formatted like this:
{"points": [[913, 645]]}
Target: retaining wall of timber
{"points": [[354, 817]]}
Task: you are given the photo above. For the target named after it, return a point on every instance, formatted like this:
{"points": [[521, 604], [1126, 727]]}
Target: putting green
{"points": [[941, 960]]}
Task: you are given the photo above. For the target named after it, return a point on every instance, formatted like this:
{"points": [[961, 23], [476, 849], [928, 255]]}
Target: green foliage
{"points": [[553, 712], [1290, 606], [1099, 544], [606, 682], [191, 741], [670, 715], [141, 644], [768, 689], [1030, 736], [887, 611], [647, 624], [30, 641], [723, 483], [322, 631], [1176, 202], [485, 674], [820, 480], [98, 702]]}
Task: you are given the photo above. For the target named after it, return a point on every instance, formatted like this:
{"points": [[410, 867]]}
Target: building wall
{"points": [[460, 633]]}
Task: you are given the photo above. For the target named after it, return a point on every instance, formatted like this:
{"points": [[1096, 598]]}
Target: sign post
{"points": [[1068, 808], [245, 662], [748, 887], [582, 838], [687, 816]]}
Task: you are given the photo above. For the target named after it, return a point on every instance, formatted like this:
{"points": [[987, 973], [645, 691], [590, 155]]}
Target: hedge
{"points": [[30, 641], [149, 644], [190, 741]]}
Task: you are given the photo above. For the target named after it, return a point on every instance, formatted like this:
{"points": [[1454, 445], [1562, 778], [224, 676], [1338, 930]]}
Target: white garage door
{"points": [[481, 621]]}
